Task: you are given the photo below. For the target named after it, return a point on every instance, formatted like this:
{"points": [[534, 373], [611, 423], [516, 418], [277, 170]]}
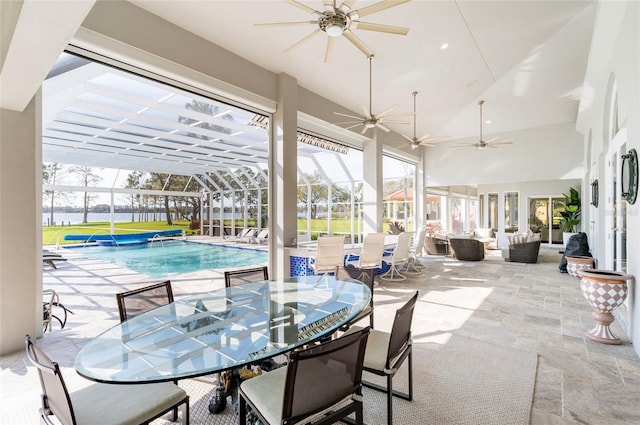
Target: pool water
{"points": [[171, 257]]}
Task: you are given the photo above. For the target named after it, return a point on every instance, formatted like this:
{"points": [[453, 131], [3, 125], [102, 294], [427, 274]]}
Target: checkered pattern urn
{"points": [[603, 296]]}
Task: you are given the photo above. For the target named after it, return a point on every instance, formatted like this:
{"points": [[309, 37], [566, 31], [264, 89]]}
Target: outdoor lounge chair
{"points": [[246, 235], [50, 259], [262, 237]]}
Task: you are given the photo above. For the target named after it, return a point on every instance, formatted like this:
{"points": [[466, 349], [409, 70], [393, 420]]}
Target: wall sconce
{"points": [[595, 194], [629, 176]]}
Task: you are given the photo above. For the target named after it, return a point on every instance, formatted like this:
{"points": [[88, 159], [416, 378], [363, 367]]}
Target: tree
{"points": [[86, 178], [51, 175], [159, 181], [134, 180], [319, 193]]}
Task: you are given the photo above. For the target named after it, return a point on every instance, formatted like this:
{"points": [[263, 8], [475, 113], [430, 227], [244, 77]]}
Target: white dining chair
{"points": [[329, 255]]}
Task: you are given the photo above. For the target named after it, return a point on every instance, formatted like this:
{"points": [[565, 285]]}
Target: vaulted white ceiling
{"points": [[526, 59]]}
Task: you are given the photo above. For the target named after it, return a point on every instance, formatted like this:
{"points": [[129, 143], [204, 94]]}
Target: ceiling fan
{"points": [[369, 120], [491, 143], [425, 140], [341, 21]]}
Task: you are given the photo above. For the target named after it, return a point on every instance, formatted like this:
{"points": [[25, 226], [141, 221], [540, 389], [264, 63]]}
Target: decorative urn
{"points": [[605, 290], [578, 262]]}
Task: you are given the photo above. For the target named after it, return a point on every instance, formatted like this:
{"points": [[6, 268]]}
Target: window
{"points": [[510, 212], [493, 211]]}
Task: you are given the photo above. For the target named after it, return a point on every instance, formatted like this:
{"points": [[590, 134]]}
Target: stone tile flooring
{"points": [[526, 306]]}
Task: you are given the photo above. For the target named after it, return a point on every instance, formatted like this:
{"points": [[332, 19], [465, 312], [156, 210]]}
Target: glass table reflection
{"points": [[221, 329]]}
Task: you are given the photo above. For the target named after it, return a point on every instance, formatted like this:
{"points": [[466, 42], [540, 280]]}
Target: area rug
{"points": [[464, 381]]}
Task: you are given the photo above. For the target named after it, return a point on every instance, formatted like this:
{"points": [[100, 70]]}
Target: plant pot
{"points": [[578, 262], [605, 290]]}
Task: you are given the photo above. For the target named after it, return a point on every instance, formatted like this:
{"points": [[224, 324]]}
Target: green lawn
{"points": [[52, 235]]}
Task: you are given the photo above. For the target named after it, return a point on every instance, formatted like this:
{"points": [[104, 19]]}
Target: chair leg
{"points": [[175, 409], [410, 377], [389, 400], [242, 409]]}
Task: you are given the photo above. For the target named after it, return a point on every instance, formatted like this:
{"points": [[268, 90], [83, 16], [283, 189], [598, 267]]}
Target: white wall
{"points": [[614, 55], [543, 153]]}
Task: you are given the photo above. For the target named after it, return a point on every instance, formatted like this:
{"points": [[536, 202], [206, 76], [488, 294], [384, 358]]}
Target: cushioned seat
{"points": [[100, 403], [467, 249]]}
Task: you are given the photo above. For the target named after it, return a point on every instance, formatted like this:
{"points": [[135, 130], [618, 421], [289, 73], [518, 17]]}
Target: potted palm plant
{"points": [[571, 214]]}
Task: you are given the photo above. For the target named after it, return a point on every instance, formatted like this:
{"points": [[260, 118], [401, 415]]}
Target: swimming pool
{"points": [[170, 257]]}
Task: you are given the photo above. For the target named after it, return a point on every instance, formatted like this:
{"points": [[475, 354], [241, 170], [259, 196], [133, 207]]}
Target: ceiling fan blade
{"points": [[408, 138], [432, 139], [364, 129], [493, 139], [329, 5], [368, 26], [346, 6], [348, 116], [503, 142], [394, 121], [286, 24], [382, 127], [349, 35], [374, 8], [327, 53], [352, 126], [386, 111], [296, 44], [405, 114], [366, 111], [301, 6], [347, 122]]}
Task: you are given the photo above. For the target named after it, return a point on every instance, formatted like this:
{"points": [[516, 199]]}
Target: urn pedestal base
{"points": [[605, 290]]}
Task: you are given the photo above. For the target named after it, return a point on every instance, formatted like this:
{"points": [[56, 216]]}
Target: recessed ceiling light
{"points": [[444, 46], [487, 122]]}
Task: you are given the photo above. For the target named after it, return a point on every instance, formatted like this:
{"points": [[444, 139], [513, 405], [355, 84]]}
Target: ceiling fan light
{"points": [[334, 30], [369, 124]]}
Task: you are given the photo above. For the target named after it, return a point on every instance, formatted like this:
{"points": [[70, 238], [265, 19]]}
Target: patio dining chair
{"points": [[137, 301], [329, 255], [320, 385], [400, 257], [387, 351], [417, 247], [245, 275], [100, 403], [140, 300]]}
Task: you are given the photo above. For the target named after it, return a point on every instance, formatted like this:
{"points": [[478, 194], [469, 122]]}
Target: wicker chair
{"points": [[524, 252], [467, 249], [436, 246]]}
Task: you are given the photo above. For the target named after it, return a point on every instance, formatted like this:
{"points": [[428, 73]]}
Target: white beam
{"points": [[43, 30]]}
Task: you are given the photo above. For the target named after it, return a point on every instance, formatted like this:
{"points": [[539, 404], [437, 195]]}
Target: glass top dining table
{"points": [[222, 329]]}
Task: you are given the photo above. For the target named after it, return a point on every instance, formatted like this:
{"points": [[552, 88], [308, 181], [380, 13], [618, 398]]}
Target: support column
{"points": [[283, 175], [372, 190], [20, 225], [420, 182]]}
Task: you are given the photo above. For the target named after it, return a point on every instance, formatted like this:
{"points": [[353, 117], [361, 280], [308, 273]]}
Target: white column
{"points": [[20, 225], [420, 183], [372, 190], [283, 175]]}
